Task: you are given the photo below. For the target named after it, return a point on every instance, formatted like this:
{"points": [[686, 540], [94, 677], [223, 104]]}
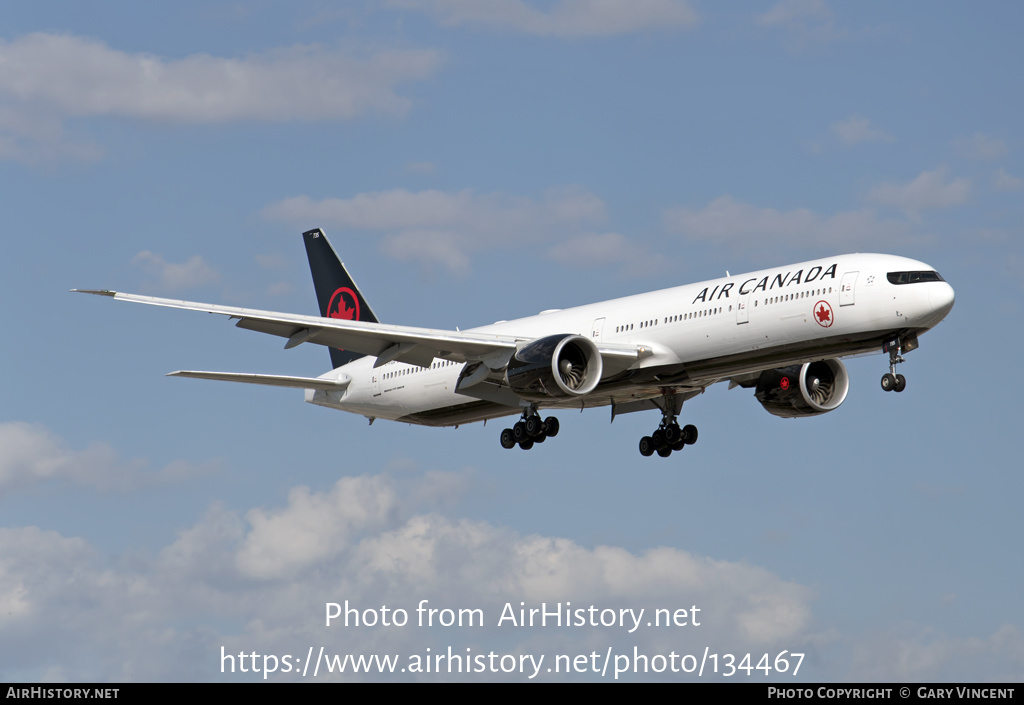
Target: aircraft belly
{"points": [[783, 355]]}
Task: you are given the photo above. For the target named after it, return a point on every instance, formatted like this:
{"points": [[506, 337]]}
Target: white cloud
{"points": [[981, 147], [931, 189], [565, 18], [856, 130], [261, 583], [80, 76], [1002, 181], [748, 228], [47, 78], [258, 581], [170, 276], [315, 526], [30, 454], [446, 228]]}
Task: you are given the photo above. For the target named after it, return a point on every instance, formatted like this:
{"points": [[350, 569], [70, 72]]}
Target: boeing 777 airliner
{"points": [[779, 331]]}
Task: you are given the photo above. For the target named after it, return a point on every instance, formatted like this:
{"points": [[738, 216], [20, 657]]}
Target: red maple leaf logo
{"points": [[823, 314], [339, 305], [344, 312]]}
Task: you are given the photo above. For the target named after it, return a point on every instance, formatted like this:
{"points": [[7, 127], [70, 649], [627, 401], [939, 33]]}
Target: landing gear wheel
{"points": [[646, 446], [527, 444], [672, 434], [539, 438], [551, 427], [508, 441], [689, 434], [665, 452], [534, 426], [901, 383], [679, 446], [888, 382], [659, 439], [519, 432]]}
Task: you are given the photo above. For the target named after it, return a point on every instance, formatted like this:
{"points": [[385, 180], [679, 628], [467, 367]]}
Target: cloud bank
{"points": [[48, 78]]}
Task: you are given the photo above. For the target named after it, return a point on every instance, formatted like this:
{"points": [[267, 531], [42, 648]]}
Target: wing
{"points": [[386, 342], [327, 385]]}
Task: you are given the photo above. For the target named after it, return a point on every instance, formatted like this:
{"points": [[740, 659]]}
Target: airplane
{"points": [[779, 331]]}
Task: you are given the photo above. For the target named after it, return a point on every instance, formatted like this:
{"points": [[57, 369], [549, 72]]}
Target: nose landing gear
{"points": [[892, 382]]}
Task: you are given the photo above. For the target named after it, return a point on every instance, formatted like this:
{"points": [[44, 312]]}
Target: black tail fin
{"points": [[337, 294]]}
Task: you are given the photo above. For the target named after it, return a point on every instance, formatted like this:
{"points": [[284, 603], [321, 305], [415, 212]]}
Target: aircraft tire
{"points": [[665, 452], [888, 382], [901, 383], [659, 439], [508, 442], [519, 432], [646, 446], [534, 426], [689, 434], [527, 444], [551, 427]]}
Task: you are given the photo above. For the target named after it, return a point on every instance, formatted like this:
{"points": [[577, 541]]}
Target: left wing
{"points": [[324, 383], [386, 342]]}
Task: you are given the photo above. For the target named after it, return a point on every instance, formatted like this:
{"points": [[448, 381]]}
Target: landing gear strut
{"points": [[892, 382], [529, 430], [669, 436]]}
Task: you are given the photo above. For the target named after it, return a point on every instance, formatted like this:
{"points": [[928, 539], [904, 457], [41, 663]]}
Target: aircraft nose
{"points": [[941, 298]]}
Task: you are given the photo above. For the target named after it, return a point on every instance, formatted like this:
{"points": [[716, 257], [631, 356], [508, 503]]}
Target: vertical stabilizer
{"points": [[337, 294]]}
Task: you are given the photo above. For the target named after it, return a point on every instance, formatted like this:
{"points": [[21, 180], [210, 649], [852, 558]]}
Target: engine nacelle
{"points": [[564, 365], [803, 390]]}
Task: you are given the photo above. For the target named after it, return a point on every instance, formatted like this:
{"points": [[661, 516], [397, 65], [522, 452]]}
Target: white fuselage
{"points": [[695, 335]]}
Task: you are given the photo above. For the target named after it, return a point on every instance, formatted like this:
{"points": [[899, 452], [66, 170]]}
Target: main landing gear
{"points": [[892, 382], [669, 436], [529, 430]]}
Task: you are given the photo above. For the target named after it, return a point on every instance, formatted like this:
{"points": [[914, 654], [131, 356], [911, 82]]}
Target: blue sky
{"points": [[476, 161]]}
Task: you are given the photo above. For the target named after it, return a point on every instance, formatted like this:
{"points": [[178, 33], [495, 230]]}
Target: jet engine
{"points": [[803, 390], [556, 366]]}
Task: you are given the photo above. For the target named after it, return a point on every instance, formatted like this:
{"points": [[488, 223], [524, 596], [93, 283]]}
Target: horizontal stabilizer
{"points": [[270, 380]]}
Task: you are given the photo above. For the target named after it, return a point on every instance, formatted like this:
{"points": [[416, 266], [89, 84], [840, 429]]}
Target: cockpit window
{"points": [[913, 277]]}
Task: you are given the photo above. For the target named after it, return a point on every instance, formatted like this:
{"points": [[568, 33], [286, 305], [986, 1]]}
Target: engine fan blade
{"points": [[570, 376], [821, 392]]}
